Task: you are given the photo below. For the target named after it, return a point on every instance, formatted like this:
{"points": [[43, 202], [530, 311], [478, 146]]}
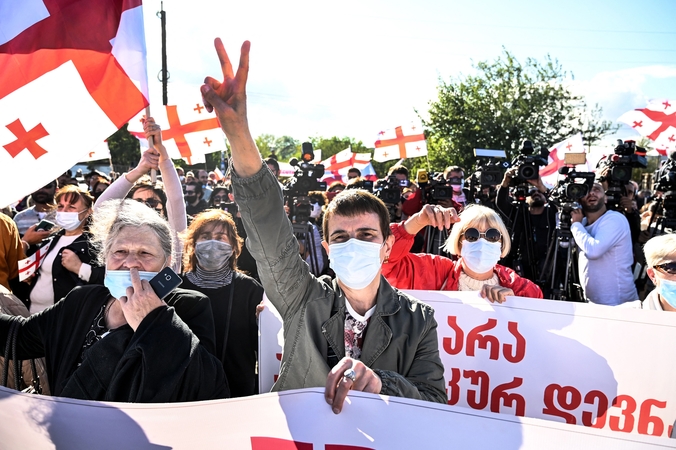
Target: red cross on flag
{"points": [[188, 130], [71, 73], [30, 265], [401, 142], [550, 172], [657, 122], [337, 166]]}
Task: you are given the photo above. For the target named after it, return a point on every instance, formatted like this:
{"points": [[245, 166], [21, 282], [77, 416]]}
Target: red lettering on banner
{"points": [[519, 348], [627, 414], [561, 393], [477, 378], [459, 337], [474, 337], [645, 419], [511, 399], [268, 443], [513, 353], [568, 399], [455, 387], [601, 409]]}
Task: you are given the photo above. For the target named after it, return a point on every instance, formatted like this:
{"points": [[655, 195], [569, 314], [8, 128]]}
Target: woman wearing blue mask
{"points": [[660, 255], [119, 341], [212, 247], [70, 260], [479, 237]]}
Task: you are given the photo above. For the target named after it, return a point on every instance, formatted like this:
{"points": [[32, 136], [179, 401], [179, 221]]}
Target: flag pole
{"points": [[151, 145]]}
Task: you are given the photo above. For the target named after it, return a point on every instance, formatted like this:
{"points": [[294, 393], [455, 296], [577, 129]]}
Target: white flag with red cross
{"points": [[72, 72], [337, 166], [30, 265], [401, 142], [657, 122], [101, 151], [188, 130], [557, 154]]}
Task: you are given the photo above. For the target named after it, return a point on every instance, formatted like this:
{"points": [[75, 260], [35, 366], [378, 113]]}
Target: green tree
{"points": [[504, 103], [125, 150]]}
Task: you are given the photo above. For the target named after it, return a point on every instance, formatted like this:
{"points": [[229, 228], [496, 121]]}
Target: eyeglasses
{"points": [[669, 267], [491, 235], [151, 202]]}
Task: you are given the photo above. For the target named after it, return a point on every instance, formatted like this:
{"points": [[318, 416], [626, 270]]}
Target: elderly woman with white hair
{"points": [[660, 256], [120, 341], [478, 236]]}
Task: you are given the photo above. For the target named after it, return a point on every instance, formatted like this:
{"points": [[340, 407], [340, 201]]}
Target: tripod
{"points": [[562, 286], [304, 232], [522, 254]]}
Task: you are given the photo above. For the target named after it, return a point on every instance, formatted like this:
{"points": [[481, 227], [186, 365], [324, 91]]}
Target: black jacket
{"points": [[167, 359]]}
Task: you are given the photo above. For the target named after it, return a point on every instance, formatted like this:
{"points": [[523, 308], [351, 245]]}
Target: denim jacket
{"points": [[401, 343]]}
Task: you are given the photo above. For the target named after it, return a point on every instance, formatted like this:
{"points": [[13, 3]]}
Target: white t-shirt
{"points": [[605, 259], [42, 295]]}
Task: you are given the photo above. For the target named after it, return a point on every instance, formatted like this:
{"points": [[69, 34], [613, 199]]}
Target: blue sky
{"points": [[352, 68]]}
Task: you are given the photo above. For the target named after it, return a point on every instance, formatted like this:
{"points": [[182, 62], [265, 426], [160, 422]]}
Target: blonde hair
{"points": [[659, 249], [476, 216]]}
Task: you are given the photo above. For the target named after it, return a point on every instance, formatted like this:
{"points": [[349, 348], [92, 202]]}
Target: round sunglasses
{"points": [[669, 267], [491, 235]]}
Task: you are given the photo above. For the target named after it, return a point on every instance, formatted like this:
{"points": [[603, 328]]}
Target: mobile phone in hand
{"points": [[44, 225], [165, 281]]}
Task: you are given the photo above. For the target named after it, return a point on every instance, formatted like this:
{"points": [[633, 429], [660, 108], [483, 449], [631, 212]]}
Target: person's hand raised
{"points": [[228, 98], [139, 301]]}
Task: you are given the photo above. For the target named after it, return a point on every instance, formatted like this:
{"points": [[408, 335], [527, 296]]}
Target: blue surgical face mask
{"points": [[480, 256], [117, 281], [667, 290], [356, 263]]}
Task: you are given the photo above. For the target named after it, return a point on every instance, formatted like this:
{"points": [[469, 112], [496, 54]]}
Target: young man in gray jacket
{"points": [[356, 333]]}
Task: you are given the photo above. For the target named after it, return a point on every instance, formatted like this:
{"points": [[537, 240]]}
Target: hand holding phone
{"points": [[44, 225], [165, 281]]}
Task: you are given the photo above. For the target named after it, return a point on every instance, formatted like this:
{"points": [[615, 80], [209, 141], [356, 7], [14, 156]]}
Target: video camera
{"points": [[665, 182], [627, 156], [435, 187], [388, 190], [527, 164], [488, 173], [571, 189], [305, 179]]}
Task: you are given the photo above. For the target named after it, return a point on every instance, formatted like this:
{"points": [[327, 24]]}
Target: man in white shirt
{"points": [[605, 259]]}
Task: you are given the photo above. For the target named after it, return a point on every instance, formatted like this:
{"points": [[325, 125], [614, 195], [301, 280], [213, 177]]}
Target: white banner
{"points": [[298, 420], [584, 364]]}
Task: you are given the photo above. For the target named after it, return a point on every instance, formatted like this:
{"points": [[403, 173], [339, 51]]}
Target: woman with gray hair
{"points": [[120, 341], [660, 256]]}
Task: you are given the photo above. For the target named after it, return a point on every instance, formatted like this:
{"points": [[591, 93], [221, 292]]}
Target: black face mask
{"points": [[537, 203], [190, 197]]}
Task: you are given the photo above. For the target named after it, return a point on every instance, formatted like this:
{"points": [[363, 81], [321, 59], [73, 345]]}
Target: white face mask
{"points": [[480, 256], [69, 221], [117, 281], [356, 263]]}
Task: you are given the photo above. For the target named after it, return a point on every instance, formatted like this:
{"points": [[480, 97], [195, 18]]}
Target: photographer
{"points": [[542, 214], [605, 258]]}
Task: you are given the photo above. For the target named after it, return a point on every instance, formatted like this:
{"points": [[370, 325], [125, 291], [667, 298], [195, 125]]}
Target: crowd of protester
{"points": [[332, 262]]}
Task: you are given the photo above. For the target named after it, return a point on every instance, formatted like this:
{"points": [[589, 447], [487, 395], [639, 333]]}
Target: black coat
{"points": [[168, 359], [239, 358]]}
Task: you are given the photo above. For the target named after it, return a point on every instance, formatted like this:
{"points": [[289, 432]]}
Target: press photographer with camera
{"points": [[605, 257], [542, 215]]}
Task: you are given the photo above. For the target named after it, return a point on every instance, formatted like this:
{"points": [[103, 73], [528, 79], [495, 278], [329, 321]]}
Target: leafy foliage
{"points": [[503, 104]]}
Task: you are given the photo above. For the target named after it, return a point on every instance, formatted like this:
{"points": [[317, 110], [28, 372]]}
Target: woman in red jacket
{"points": [[479, 237]]}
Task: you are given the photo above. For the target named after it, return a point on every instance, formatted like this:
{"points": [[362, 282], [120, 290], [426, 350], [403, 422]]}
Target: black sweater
{"points": [[239, 360], [167, 359]]}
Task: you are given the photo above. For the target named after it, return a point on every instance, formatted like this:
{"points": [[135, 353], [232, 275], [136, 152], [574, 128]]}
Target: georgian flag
{"points": [[101, 151], [400, 142], [657, 122], [550, 173], [72, 72], [188, 130], [337, 166], [30, 265]]}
